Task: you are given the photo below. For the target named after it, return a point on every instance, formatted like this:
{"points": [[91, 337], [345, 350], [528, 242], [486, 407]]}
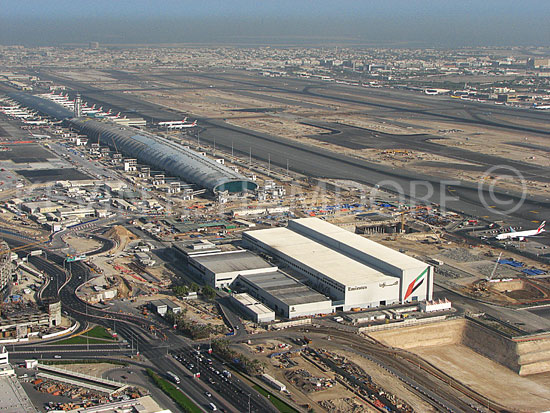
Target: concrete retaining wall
{"points": [[525, 355]]}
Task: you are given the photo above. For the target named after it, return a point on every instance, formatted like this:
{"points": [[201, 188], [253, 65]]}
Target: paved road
{"points": [[134, 328], [532, 321]]}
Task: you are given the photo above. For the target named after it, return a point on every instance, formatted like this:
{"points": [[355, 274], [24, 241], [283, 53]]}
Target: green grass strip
{"points": [[78, 340], [99, 332], [174, 393], [279, 404]]}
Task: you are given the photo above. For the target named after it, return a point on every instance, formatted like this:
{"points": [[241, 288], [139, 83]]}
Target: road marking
{"points": [[534, 212]]}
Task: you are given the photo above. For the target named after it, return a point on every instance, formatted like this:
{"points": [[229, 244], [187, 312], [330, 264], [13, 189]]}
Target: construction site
{"points": [[491, 363]]}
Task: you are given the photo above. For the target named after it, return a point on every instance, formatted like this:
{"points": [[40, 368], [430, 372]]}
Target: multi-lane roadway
{"points": [[136, 330]]}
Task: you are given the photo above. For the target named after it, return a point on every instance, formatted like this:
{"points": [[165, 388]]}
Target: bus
{"points": [[173, 377]]}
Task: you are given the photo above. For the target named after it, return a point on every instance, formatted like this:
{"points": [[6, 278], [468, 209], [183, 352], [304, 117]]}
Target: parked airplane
{"points": [[173, 122], [110, 116], [36, 122], [88, 111], [182, 125], [521, 235]]}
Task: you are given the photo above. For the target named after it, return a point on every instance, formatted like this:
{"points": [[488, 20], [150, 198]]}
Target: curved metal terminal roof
{"points": [[42, 105], [147, 148], [164, 154]]}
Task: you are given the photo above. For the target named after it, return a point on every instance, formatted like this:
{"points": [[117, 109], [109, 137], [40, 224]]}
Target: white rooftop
{"points": [[333, 264], [13, 397], [251, 303], [358, 242]]}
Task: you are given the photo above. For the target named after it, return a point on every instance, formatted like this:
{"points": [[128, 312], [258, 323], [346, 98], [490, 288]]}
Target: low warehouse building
{"points": [[352, 270], [286, 295], [273, 382], [258, 312], [220, 269], [162, 306]]}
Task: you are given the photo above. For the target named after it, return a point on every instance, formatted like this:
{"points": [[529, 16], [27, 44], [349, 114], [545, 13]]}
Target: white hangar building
{"points": [[352, 270]]}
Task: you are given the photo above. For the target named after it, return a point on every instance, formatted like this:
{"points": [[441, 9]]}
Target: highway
{"points": [[227, 386], [135, 329]]}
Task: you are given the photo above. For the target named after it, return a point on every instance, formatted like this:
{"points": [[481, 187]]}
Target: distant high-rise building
{"points": [[94, 45], [538, 63]]}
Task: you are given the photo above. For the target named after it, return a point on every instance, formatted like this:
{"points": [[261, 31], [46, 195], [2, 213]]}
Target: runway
{"points": [[318, 162]]}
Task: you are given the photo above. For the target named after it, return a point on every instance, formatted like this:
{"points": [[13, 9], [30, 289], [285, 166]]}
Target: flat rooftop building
{"points": [[164, 305], [219, 269], [286, 295], [14, 399], [352, 270], [253, 308]]}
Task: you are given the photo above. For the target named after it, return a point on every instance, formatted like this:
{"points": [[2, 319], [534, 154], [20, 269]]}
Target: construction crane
{"points": [[490, 277], [22, 247]]}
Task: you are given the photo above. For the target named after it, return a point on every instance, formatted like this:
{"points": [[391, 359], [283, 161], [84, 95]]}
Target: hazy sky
{"points": [[369, 22]]}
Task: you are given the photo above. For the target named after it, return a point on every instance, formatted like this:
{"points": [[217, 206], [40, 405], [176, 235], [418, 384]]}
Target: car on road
{"points": [[208, 394], [57, 356]]}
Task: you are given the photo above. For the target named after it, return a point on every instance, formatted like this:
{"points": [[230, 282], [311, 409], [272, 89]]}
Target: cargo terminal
{"points": [[284, 294], [219, 269], [353, 271]]}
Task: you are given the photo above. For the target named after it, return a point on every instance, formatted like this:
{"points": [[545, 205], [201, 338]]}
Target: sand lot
{"points": [[490, 378]]}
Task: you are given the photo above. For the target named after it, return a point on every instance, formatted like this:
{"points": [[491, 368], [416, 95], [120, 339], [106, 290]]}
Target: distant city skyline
{"points": [[397, 23]]}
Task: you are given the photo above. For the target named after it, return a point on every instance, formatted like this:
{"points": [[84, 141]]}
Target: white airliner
{"points": [[89, 111], [36, 122], [173, 122], [20, 114], [183, 126], [521, 235], [110, 116]]}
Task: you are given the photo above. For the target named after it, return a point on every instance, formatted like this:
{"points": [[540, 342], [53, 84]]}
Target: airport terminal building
{"points": [[353, 271]]}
